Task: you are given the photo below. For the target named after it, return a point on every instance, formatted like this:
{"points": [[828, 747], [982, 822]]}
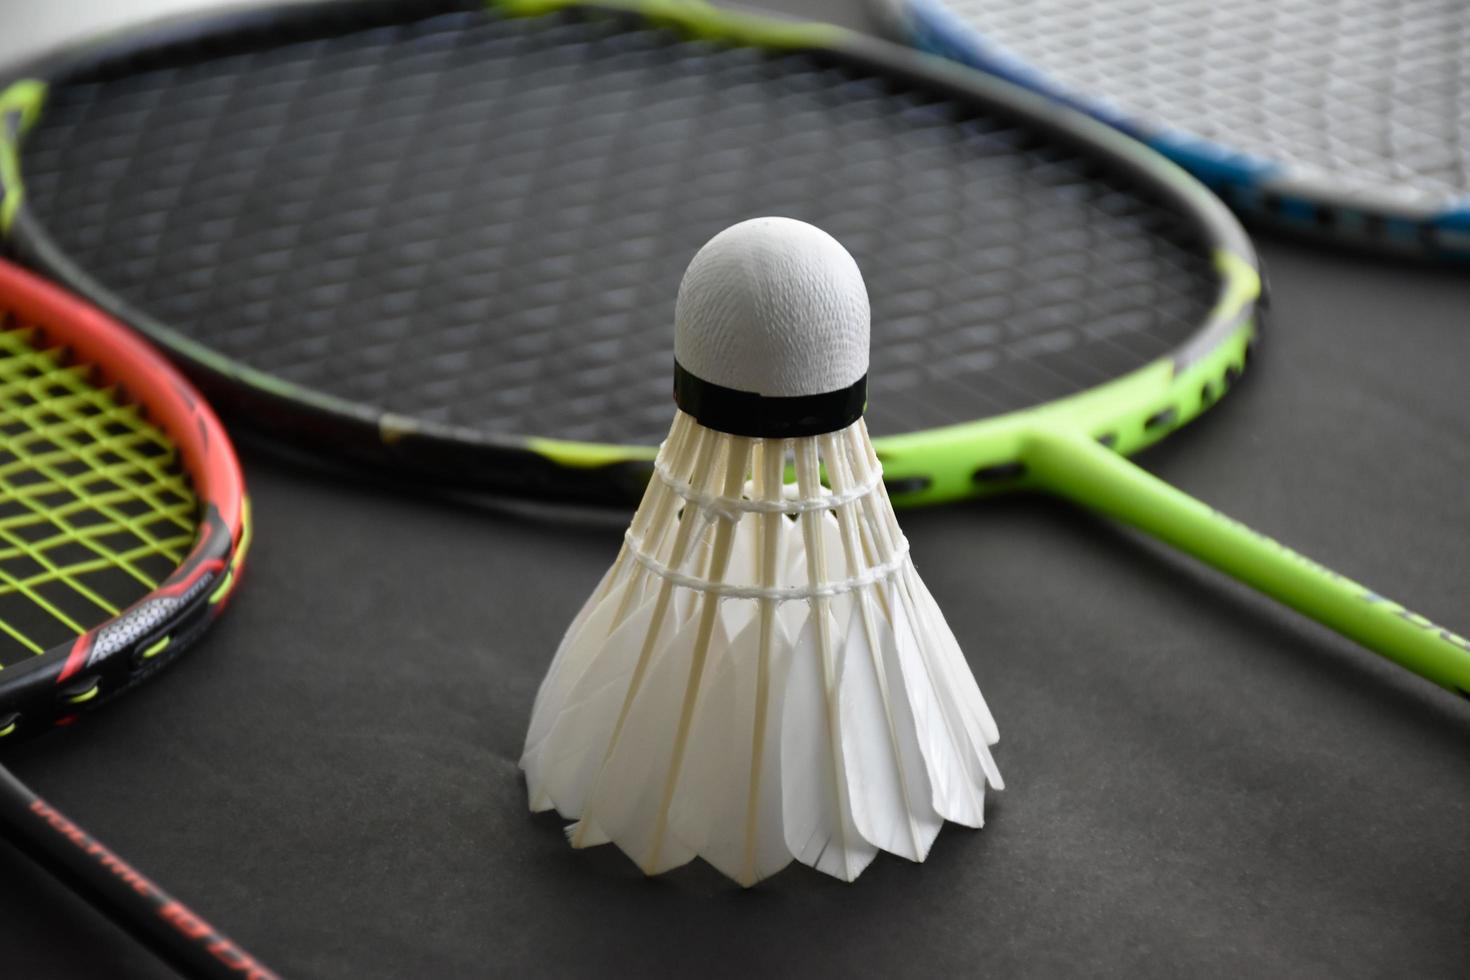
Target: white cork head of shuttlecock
{"points": [[771, 332]]}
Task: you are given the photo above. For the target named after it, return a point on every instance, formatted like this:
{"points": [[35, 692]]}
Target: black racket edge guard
{"points": [[162, 923], [435, 457]]}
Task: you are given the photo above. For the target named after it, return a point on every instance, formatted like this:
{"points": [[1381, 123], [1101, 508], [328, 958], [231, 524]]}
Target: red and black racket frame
{"points": [[52, 688]]}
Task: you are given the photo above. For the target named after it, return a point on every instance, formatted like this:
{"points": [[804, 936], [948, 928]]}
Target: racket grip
{"points": [[1076, 467]]}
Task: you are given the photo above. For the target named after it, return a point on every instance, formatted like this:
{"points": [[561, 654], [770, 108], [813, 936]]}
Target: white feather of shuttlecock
{"points": [[761, 675]]}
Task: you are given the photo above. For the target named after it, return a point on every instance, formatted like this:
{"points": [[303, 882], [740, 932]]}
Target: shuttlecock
{"points": [[761, 676]]}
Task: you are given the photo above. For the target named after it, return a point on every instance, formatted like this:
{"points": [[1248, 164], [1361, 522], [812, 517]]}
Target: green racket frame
{"points": [[934, 466]]}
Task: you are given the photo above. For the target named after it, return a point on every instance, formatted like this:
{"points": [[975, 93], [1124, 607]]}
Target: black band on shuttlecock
{"points": [[744, 413]]}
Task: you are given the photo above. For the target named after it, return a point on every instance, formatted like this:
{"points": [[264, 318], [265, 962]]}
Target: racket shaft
{"points": [[1078, 468], [162, 923]]}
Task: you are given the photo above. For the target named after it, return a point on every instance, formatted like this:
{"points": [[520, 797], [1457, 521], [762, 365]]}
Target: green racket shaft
{"points": [[1078, 468]]}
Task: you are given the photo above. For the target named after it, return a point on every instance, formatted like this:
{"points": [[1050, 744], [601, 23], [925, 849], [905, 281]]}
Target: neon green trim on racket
{"points": [[20, 107], [695, 18], [86, 695], [587, 455], [247, 534], [223, 588], [1242, 286]]}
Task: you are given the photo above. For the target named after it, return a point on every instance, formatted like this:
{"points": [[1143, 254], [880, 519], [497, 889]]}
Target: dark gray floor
{"points": [[1200, 783]]}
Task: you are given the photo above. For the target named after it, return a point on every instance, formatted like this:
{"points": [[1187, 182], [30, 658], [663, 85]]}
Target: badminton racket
{"points": [[444, 240], [123, 524], [1341, 120]]}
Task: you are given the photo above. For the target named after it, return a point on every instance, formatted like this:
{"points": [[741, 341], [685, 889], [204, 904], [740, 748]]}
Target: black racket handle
{"points": [[84, 864]]}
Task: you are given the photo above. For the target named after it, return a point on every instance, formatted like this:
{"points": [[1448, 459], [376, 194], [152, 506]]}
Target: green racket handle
{"points": [[1076, 467]]}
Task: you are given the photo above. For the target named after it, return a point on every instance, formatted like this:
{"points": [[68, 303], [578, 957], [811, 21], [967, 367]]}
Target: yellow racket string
{"points": [[95, 509]]}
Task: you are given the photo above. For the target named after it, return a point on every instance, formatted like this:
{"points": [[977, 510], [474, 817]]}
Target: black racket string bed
{"points": [[433, 239]]}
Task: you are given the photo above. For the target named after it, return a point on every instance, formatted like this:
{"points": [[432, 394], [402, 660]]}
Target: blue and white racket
{"points": [[1345, 119]]}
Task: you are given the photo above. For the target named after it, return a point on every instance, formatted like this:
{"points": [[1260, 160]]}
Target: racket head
{"points": [[491, 308], [123, 524], [1337, 122]]}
